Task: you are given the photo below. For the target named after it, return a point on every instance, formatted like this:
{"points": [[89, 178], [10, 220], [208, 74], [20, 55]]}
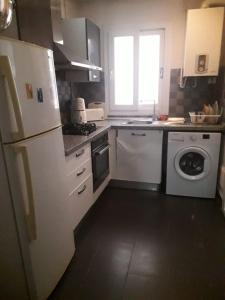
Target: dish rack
{"points": [[201, 118]]}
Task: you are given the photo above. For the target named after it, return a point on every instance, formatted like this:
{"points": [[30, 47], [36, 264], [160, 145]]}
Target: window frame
{"points": [[135, 109]]}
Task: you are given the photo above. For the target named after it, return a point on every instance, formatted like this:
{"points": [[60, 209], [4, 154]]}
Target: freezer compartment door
{"points": [[29, 101], [37, 177]]}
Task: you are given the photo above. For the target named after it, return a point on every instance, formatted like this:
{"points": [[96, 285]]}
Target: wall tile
{"points": [[191, 98]]}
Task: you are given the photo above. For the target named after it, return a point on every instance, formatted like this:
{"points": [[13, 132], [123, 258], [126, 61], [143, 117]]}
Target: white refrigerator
{"points": [[36, 232]]}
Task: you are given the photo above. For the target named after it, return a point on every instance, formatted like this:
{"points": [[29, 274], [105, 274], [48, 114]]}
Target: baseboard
{"points": [[134, 185]]}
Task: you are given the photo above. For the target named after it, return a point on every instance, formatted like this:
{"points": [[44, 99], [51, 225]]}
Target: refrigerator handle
{"points": [[31, 219], [6, 71]]}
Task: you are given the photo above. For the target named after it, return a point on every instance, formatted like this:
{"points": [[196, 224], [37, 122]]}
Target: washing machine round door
{"points": [[192, 163]]}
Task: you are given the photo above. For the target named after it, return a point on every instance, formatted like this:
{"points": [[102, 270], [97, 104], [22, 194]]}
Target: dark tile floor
{"points": [[140, 245]]}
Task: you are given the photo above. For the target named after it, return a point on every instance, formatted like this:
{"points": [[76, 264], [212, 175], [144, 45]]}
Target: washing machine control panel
{"points": [[206, 136], [193, 138]]}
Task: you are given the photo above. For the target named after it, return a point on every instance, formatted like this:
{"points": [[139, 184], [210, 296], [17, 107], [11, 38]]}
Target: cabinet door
{"points": [[34, 21], [81, 200], [139, 155], [93, 42], [112, 152]]}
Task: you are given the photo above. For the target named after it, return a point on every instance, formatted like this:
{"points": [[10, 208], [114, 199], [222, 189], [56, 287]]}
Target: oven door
{"points": [[100, 165]]}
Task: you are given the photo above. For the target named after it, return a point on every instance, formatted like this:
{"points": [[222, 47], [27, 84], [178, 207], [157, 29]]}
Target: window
{"points": [[136, 70]]}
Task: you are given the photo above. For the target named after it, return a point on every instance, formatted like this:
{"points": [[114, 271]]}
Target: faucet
{"points": [[154, 117]]}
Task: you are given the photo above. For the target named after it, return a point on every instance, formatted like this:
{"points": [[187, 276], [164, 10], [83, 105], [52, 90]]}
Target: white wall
{"points": [[147, 14], [70, 8]]}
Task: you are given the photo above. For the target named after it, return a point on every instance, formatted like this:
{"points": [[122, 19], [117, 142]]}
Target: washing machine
{"points": [[192, 164]]}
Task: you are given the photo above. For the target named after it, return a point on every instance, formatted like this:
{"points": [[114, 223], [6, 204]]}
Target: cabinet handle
{"points": [[83, 189], [80, 153], [81, 172], [138, 134]]}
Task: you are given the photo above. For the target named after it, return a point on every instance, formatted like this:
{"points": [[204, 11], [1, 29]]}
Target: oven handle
{"points": [[101, 152]]}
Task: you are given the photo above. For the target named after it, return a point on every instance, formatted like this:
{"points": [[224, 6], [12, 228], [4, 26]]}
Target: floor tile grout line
{"points": [[90, 264], [128, 269]]}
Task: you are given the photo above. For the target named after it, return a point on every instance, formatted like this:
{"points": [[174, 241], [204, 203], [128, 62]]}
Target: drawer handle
{"points": [[138, 134], [81, 172], [80, 153], [83, 189]]}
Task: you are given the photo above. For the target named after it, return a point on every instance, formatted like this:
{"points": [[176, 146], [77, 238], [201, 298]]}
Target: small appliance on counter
{"points": [[79, 129], [95, 114], [78, 112], [96, 111], [97, 104]]}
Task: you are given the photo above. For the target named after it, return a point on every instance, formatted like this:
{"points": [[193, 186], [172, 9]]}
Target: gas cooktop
{"points": [[79, 129]]}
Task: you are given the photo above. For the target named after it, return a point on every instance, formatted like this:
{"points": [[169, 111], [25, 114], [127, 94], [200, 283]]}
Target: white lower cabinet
{"points": [[81, 200], [139, 155], [80, 183], [75, 177]]}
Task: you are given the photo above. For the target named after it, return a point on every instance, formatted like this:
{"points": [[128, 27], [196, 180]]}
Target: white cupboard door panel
{"points": [[40, 186], [28, 90], [78, 175], [139, 155], [112, 152], [74, 160], [82, 200]]}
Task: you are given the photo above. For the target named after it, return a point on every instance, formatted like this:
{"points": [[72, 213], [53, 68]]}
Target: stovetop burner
{"points": [[79, 129]]}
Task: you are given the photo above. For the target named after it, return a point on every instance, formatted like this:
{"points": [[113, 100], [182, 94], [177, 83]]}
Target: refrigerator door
{"points": [[29, 101], [11, 260], [37, 178]]}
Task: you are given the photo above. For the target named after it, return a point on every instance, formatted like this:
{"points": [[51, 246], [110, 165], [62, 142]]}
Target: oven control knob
{"points": [[193, 138]]}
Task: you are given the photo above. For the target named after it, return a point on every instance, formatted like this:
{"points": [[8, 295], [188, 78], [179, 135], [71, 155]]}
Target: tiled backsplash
{"points": [[90, 91], [181, 101], [192, 97], [64, 94]]}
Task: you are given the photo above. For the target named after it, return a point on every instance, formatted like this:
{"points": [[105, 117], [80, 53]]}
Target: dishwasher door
{"points": [[139, 155]]}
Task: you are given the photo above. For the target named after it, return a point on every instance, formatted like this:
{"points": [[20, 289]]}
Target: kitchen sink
{"points": [[138, 122]]}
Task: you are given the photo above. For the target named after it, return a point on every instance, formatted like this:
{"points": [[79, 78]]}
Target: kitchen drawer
{"points": [[75, 178], [76, 159], [81, 200]]}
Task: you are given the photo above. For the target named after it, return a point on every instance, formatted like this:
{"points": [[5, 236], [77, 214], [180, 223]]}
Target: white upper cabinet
{"points": [[203, 41]]}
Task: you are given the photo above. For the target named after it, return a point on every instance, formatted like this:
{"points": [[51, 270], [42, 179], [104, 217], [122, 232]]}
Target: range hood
{"points": [[65, 59], [68, 52]]}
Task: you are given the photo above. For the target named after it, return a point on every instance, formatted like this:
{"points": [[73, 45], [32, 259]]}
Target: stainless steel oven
{"points": [[100, 159]]}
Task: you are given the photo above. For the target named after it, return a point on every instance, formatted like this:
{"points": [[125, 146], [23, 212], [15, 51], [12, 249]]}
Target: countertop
{"points": [[74, 142]]}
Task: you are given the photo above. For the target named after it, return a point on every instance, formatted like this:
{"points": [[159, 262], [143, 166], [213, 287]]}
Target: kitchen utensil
{"points": [[6, 13]]}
